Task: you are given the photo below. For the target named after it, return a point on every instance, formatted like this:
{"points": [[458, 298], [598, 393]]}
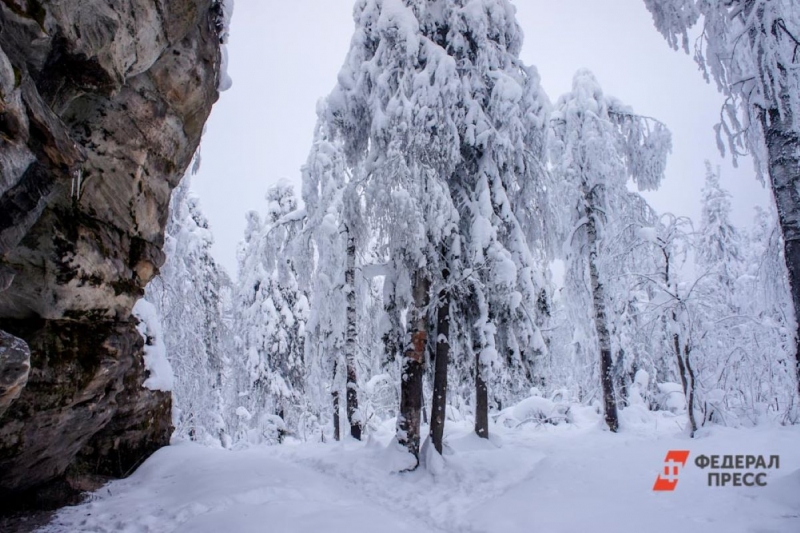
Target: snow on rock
{"points": [[225, 80], [224, 24], [161, 377]]}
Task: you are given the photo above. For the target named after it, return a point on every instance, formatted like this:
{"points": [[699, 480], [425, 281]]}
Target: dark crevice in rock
{"points": [[68, 74], [22, 205], [28, 8], [49, 138]]}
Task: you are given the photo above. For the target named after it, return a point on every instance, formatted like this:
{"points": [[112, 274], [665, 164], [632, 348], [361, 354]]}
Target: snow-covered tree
{"points": [[187, 295], [441, 127], [628, 260], [598, 145], [750, 49], [505, 210], [329, 245], [676, 305], [746, 371], [719, 244], [388, 111], [270, 315]]}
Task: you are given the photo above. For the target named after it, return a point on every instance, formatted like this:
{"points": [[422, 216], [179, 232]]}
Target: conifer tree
{"points": [[271, 314], [197, 339]]}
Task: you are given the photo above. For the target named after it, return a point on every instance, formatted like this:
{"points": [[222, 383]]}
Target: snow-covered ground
{"points": [[543, 479]]}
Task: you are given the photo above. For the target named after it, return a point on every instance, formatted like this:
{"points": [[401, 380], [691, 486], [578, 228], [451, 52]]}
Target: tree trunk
{"points": [[621, 378], [408, 423], [686, 374], [600, 322], [335, 396], [481, 399], [784, 173], [353, 415], [424, 410], [692, 388], [439, 401], [684, 368], [336, 430]]}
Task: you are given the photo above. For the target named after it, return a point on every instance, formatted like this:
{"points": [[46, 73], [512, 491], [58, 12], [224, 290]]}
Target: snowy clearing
{"points": [[548, 479]]}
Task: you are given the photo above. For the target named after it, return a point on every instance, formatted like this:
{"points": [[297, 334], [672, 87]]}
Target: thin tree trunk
{"points": [[784, 172], [336, 425], [335, 396], [622, 378], [353, 415], [424, 410], [481, 399], [600, 322], [687, 381], [676, 345], [686, 374], [479, 344], [408, 423], [439, 401], [692, 386], [391, 338]]}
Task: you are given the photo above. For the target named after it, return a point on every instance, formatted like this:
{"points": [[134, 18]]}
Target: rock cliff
{"points": [[102, 105]]}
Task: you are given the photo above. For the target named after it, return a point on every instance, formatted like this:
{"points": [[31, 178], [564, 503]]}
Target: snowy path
{"points": [[187, 488], [546, 480]]}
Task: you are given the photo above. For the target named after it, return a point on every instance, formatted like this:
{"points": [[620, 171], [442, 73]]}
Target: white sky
{"points": [[285, 55]]}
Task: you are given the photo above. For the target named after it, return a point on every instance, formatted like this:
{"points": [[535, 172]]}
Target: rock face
{"points": [[15, 364], [102, 105]]}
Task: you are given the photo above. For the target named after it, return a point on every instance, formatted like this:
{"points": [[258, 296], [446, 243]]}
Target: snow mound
{"points": [[536, 410], [671, 397], [397, 459], [785, 490]]}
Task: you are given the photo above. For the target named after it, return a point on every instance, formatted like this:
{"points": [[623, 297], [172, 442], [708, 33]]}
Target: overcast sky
{"points": [[285, 55]]}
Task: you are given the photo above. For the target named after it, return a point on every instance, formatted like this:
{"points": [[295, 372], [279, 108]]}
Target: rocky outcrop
{"points": [[15, 364], [102, 105]]}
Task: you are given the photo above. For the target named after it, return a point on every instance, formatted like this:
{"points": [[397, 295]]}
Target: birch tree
{"points": [[598, 144], [324, 259], [749, 48]]}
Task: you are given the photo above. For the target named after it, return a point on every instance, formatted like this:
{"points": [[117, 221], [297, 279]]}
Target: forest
{"points": [[413, 275], [469, 317]]}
